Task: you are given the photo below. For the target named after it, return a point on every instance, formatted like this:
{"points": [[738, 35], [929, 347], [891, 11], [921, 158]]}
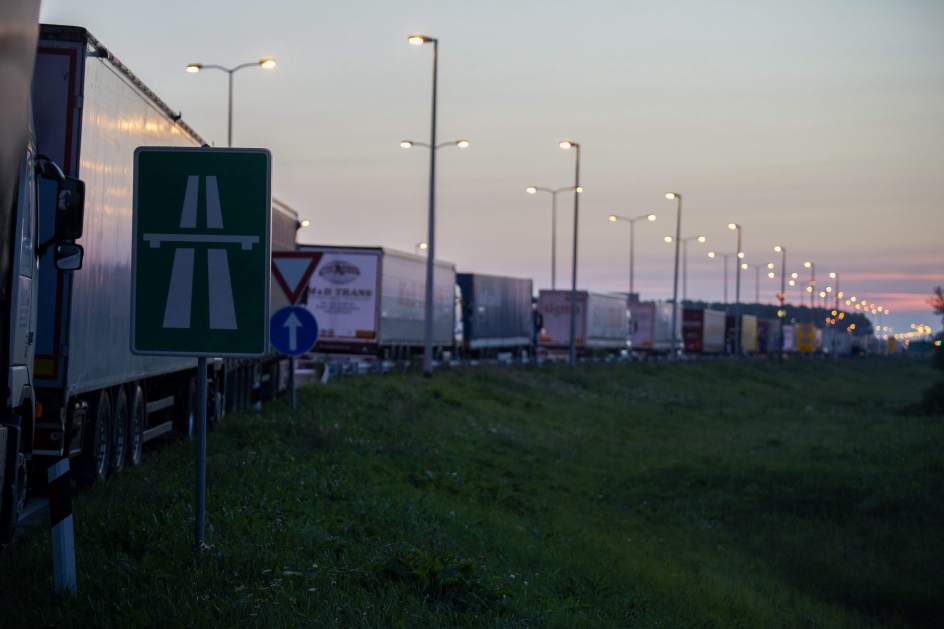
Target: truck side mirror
{"points": [[70, 211], [69, 256]]}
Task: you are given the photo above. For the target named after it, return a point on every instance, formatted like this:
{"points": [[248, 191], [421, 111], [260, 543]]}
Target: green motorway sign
{"points": [[200, 265]]}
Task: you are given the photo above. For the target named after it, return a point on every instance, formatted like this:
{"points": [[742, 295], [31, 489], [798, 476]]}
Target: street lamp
{"points": [[811, 289], [613, 218], [678, 235], [745, 266], [737, 288], [685, 241], [726, 256], [567, 145], [420, 40], [266, 63], [420, 246], [782, 311], [553, 192]]}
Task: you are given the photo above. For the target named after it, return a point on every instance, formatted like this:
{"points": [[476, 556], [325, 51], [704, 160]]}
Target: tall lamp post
{"points": [[420, 40], [745, 266], [567, 145], [553, 192], [726, 256], [678, 237], [737, 288], [266, 63], [685, 241], [811, 288], [782, 312], [613, 218]]}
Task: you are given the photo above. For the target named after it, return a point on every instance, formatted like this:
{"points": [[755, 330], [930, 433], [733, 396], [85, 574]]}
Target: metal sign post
{"points": [[293, 331], [201, 219], [292, 270]]}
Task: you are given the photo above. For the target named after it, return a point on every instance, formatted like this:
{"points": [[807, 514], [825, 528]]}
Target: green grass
{"points": [[700, 495]]}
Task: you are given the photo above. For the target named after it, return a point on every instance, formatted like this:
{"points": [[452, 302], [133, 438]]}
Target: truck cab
{"points": [[36, 176]]}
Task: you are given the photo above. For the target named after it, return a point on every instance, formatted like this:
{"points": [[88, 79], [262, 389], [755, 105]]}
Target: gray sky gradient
{"points": [[813, 123]]}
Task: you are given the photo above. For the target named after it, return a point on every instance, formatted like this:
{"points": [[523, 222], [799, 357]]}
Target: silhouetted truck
{"points": [[371, 301], [496, 312], [601, 322], [703, 331]]}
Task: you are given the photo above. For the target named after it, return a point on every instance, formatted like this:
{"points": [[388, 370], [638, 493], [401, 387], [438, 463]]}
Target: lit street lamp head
{"points": [[732, 226], [794, 275], [419, 40], [745, 266], [267, 63], [778, 249], [651, 218], [672, 195], [193, 68], [668, 239], [531, 190], [771, 265], [462, 144], [740, 255], [807, 264], [612, 218], [407, 144], [305, 222], [702, 239], [578, 189], [712, 254], [567, 144], [832, 276], [771, 275]]}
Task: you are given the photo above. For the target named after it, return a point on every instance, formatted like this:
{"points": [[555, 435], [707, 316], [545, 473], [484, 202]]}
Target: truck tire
{"points": [[136, 418], [119, 432], [96, 441], [13, 498], [185, 419]]}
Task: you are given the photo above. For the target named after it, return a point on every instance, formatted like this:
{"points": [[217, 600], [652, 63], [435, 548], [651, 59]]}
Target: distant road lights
{"points": [[771, 274], [462, 144], [305, 222], [667, 239], [266, 63], [771, 266], [794, 275], [832, 275], [712, 254], [792, 283]]}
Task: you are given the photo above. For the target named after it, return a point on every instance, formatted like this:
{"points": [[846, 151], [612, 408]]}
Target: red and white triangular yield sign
{"points": [[292, 270]]}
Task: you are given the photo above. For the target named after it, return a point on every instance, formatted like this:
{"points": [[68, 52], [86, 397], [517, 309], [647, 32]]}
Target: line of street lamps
{"points": [[429, 245]]}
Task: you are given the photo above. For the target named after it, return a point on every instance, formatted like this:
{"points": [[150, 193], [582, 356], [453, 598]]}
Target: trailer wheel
{"points": [[119, 434], [136, 426], [96, 440]]}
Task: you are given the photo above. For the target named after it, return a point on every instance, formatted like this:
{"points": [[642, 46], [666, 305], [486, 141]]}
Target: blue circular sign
{"points": [[293, 330]]}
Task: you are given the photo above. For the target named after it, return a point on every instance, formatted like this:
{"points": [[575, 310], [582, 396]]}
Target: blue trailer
{"points": [[496, 312]]}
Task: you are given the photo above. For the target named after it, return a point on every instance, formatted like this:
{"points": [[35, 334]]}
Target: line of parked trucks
{"points": [[73, 389]]}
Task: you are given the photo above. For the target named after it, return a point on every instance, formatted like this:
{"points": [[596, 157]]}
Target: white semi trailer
{"points": [[370, 301]]}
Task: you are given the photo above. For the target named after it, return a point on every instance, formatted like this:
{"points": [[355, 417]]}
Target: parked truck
{"points": [[496, 313], [87, 396], [702, 331], [371, 300], [651, 326], [602, 321], [746, 325]]}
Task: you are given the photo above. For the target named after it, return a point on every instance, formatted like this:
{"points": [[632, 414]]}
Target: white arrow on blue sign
{"points": [[293, 330]]}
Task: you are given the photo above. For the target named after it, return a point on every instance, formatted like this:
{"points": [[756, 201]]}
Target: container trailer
{"points": [[748, 330], [651, 326], [99, 402], [601, 324], [370, 301], [496, 312], [702, 331]]}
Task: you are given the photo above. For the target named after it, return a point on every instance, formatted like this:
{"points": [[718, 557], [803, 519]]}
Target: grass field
{"points": [[699, 495]]}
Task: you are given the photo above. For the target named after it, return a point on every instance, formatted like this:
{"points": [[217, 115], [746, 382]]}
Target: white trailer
{"points": [[652, 326], [601, 320], [370, 300]]}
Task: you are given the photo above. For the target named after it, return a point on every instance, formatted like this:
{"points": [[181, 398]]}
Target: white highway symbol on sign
{"points": [[180, 292]]}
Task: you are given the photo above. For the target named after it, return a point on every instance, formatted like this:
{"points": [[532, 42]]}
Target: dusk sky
{"points": [[816, 124]]}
